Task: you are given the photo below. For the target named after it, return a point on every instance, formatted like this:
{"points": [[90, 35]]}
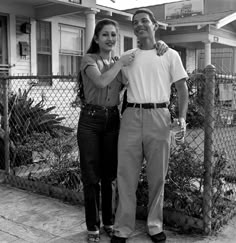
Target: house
{"points": [[203, 31], [49, 36], [45, 37]]}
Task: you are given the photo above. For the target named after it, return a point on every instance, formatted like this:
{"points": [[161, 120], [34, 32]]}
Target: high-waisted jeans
{"points": [[97, 136]]}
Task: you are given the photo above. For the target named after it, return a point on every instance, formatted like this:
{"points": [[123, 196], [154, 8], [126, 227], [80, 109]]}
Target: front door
{"points": [[3, 45]]}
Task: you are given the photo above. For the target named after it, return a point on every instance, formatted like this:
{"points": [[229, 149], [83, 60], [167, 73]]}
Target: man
{"points": [[145, 127]]}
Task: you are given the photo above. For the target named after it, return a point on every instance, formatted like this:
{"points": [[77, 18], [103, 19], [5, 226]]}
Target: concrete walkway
{"points": [[27, 217]]}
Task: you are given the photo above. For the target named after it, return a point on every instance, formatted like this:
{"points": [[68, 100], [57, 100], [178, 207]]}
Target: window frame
{"points": [[44, 34], [70, 53], [125, 39]]}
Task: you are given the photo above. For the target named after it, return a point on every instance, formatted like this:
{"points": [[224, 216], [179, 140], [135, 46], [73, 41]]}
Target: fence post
{"points": [[209, 97], [6, 125]]}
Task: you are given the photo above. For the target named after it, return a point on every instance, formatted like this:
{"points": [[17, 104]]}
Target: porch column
{"points": [[234, 60], [12, 47], [33, 53], [207, 53], [90, 25]]}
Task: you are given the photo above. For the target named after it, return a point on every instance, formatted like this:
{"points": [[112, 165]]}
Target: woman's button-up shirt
{"points": [[108, 96]]}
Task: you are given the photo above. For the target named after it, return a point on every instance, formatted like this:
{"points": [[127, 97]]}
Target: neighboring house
{"points": [[203, 31]]}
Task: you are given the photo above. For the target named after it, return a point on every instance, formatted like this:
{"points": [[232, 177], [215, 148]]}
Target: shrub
{"points": [[184, 184], [195, 115], [27, 117]]}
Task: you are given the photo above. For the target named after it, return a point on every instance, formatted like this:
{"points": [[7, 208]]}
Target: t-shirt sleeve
{"points": [[177, 69], [87, 61]]}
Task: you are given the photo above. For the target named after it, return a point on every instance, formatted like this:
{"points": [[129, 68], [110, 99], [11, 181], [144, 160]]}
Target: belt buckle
{"points": [[134, 105]]}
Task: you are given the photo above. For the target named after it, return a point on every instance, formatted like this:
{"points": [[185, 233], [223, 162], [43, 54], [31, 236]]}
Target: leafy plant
{"points": [[26, 117], [196, 87], [184, 184], [183, 189], [63, 163], [67, 177]]}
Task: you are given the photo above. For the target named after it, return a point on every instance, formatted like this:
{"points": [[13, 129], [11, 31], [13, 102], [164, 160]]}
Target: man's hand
{"points": [[178, 128], [182, 123]]}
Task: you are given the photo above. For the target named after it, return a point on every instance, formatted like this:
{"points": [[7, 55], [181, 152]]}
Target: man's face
{"points": [[143, 26]]}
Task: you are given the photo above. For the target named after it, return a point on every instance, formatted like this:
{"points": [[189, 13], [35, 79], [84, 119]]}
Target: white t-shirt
{"points": [[150, 76]]}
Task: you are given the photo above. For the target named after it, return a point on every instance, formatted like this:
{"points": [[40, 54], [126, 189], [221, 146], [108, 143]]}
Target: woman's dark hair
{"points": [[147, 11], [94, 47]]}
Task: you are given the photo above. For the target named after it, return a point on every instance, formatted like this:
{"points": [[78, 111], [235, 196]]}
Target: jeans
{"points": [[97, 136]]}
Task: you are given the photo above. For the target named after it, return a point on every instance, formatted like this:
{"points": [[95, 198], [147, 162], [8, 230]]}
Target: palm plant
{"points": [[26, 117]]}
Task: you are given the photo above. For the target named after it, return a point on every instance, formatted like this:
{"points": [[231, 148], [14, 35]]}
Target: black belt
{"points": [[147, 105], [99, 107]]}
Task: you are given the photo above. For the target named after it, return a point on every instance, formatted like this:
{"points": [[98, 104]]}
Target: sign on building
{"points": [[184, 9], [71, 1]]}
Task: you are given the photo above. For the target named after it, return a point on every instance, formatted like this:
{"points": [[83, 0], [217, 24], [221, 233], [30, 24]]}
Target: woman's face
{"points": [[107, 38]]}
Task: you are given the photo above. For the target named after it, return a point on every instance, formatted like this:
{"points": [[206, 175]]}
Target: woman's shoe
{"points": [[93, 236]]}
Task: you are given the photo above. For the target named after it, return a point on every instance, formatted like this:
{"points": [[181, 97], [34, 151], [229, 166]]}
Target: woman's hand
{"points": [[161, 47], [127, 59]]}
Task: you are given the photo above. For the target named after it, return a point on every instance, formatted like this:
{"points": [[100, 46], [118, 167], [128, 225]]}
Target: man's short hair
{"points": [[147, 11]]}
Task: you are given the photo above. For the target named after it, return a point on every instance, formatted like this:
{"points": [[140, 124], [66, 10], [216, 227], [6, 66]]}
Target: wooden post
{"points": [[209, 98], [6, 125]]}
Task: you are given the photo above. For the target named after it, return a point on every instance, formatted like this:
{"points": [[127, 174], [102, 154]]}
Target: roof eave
{"points": [[191, 24], [228, 19], [162, 25], [109, 12]]}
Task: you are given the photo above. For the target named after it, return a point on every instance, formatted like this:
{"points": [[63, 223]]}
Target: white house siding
{"points": [[61, 94], [191, 60], [12, 11], [22, 62]]}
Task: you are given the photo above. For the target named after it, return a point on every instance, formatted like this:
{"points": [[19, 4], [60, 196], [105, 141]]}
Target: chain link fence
{"points": [[38, 146], [38, 134]]}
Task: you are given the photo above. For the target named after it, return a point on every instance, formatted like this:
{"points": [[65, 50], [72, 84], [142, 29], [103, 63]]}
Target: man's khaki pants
{"points": [[144, 134]]}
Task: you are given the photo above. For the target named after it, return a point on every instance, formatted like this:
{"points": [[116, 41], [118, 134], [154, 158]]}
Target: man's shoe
{"points": [[157, 238], [117, 239], [109, 230]]}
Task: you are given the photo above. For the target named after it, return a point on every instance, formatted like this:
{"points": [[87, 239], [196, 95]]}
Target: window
{"points": [[128, 43], [44, 49], [71, 49]]}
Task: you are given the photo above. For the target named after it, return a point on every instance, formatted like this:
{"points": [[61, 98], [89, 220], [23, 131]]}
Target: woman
{"points": [[99, 123]]}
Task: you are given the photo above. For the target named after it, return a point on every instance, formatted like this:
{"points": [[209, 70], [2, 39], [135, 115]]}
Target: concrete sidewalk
{"points": [[28, 217]]}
